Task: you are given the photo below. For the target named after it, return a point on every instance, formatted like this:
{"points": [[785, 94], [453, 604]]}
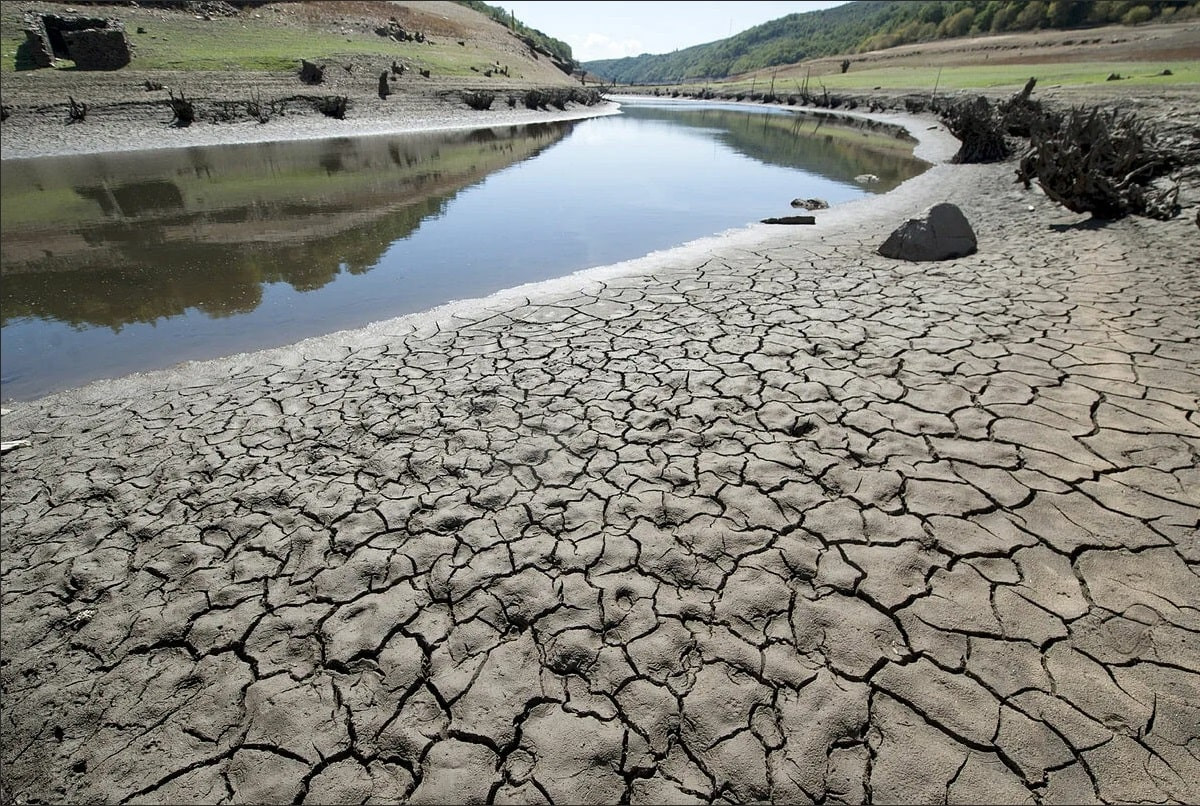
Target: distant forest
{"points": [[561, 50], [865, 25]]}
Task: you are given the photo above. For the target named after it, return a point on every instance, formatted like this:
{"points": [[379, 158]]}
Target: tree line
{"points": [[866, 25]]}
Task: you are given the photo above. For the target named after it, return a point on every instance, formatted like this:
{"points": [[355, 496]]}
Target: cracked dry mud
{"points": [[788, 521]]}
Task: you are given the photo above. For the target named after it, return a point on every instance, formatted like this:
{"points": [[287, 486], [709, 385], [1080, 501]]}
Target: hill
{"points": [[869, 25], [446, 38], [239, 62]]}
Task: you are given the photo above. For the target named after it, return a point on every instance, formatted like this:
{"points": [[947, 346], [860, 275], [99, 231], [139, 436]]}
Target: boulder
{"points": [[98, 48], [311, 73], [942, 233], [93, 43]]}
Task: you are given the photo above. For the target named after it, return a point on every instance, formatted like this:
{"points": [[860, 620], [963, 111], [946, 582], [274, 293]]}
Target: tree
{"points": [[985, 15], [932, 13], [1102, 12], [1031, 17], [1003, 21], [958, 24], [1065, 13], [1137, 15]]}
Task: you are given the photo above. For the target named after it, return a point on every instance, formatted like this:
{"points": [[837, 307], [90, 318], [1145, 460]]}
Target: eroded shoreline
{"points": [[767, 517]]}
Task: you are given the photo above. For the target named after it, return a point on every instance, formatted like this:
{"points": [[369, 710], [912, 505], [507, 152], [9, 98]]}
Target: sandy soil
{"points": [[765, 517]]}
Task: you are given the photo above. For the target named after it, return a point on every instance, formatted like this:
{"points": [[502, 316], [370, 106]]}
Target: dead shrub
{"points": [[479, 100], [977, 124], [1103, 163], [183, 109], [76, 112], [333, 106]]}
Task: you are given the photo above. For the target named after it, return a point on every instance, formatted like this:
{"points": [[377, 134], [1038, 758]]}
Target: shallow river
{"points": [[125, 262]]}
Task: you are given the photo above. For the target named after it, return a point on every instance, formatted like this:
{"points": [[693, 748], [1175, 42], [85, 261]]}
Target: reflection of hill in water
{"points": [[838, 149], [128, 245]]}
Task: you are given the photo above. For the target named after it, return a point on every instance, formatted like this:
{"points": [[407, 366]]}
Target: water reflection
{"points": [[121, 262], [816, 142], [107, 240]]}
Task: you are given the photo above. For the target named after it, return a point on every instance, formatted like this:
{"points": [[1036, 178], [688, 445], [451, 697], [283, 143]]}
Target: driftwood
{"points": [[978, 125], [1090, 161], [1020, 111], [76, 112], [791, 219]]}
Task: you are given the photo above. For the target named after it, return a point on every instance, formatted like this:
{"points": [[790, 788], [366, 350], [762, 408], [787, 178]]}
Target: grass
{"points": [[250, 49], [1001, 76], [1015, 75], [180, 42]]}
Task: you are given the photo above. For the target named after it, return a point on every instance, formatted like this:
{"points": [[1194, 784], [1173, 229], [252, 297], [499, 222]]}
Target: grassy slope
{"points": [[271, 40], [177, 42], [956, 77]]}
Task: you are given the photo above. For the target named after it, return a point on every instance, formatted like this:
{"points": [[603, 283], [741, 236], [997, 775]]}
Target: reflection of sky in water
{"points": [[614, 188]]}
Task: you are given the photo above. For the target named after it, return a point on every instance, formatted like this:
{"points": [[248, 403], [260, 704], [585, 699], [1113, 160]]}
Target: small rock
{"points": [[866, 179], [811, 204], [942, 233]]}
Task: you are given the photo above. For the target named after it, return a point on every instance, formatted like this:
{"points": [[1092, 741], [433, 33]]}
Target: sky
{"points": [[611, 29]]}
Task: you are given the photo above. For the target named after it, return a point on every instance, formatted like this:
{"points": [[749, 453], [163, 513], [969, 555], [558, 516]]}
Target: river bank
{"points": [[47, 136]]}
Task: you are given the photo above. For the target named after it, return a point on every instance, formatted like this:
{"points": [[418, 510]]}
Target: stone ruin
{"points": [[93, 43], [395, 31]]}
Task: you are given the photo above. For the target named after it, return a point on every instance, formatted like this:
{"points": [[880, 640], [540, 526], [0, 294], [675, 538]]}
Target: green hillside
{"points": [[866, 25]]}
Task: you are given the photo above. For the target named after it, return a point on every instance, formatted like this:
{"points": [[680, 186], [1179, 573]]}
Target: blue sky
{"points": [[610, 29]]}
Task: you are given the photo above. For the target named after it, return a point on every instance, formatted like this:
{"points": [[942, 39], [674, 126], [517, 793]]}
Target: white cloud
{"points": [[598, 46]]}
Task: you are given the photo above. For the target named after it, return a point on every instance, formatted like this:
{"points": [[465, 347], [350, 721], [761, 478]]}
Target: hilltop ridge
{"points": [[877, 25]]}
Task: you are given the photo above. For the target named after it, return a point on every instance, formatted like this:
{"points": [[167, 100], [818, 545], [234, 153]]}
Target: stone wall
{"points": [[92, 43], [98, 48]]}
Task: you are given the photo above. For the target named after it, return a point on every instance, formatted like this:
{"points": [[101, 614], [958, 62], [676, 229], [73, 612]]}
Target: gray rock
{"points": [[942, 233], [93, 43]]}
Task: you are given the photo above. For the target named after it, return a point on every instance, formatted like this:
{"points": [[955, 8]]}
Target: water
{"points": [[124, 262]]}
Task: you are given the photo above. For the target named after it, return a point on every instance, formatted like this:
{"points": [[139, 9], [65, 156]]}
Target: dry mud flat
{"points": [[769, 517]]}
